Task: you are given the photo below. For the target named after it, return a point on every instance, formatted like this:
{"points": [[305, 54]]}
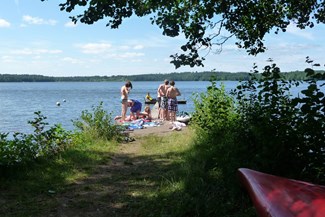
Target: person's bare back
{"points": [[173, 91], [163, 88]]}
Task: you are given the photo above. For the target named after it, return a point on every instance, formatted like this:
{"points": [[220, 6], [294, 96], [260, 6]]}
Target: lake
{"points": [[19, 101]]}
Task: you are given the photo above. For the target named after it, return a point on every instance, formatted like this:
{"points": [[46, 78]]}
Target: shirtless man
{"points": [[172, 94], [124, 98], [161, 92]]}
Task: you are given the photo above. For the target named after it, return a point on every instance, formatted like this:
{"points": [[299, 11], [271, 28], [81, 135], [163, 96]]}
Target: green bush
{"points": [[261, 126], [24, 148], [213, 109], [99, 124]]}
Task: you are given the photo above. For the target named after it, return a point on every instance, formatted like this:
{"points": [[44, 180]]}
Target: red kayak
{"points": [[275, 196]]}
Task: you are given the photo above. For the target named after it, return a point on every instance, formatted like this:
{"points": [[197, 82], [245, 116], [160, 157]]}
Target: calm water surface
{"points": [[19, 101]]}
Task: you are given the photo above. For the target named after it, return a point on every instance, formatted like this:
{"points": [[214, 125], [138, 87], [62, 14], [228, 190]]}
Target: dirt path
{"points": [[114, 187]]}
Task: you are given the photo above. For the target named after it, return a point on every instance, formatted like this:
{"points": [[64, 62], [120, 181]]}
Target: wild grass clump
{"points": [[46, 142], [38, 166], [25, 148], [261, 126], [98, 124]]}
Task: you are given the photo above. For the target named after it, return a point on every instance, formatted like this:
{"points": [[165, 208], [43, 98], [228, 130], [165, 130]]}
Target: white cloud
{"points": [[7, 59], [300, 32], [124, 47], [70, 24], [95, 48], [4, 23], [131, 55], [28, 51], [127, 55], [138, 47], [72, 60], [38, 21]]}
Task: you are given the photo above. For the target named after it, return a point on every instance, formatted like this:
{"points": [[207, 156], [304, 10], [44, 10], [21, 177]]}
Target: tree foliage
{"points": [[259, 125], [202, 22]]}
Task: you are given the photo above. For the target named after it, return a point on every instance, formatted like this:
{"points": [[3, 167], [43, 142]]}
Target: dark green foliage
{"points": [[25, 148], [203, 23], [213, 108], [261, 127], [99, 124]]}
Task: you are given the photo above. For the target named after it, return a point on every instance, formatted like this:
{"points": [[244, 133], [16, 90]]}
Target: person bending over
{"points": [[135, 108]]}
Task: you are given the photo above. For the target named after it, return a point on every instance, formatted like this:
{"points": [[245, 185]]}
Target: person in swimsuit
{"points": [[172, 94], [146, 114], [125, 90], [162, 90]]}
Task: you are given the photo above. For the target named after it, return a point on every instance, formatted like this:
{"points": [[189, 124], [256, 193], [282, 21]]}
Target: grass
{"points": [[152, 179], [30, 190]]}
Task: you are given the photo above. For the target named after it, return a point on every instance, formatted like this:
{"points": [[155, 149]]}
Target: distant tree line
{"points": [[182, 76]]}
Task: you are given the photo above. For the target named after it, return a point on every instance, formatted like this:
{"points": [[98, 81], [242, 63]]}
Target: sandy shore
{"points": [[164, 128]]}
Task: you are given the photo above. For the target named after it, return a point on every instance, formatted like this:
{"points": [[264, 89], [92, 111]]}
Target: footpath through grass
{"points": [[94, 178]]}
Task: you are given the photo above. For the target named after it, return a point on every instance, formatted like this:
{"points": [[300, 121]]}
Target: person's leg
{"points": [[169, 110], [167, 115], [175, 109], [162, 108], [172, 108], [165, 108], [172, 116], [159, 109], [124, 109]]}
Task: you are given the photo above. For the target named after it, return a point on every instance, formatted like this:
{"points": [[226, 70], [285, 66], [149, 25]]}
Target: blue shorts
{"points": [[172, 105]]}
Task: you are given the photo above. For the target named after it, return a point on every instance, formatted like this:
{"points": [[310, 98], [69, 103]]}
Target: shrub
{"points": [[24, 148], [259, 126], [99, 124]]}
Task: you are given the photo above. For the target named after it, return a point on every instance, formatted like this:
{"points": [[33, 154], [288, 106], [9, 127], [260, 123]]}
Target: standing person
{"points": [[135, 108], [172, 94], [125, 90], [158, 101], [163, 105]]}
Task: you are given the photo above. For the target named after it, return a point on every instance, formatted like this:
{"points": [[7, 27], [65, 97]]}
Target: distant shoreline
{"points": [[182, 76]]}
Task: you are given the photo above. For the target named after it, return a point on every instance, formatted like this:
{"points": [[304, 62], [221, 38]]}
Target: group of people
{"points": [[134, 105], [167, 100], [167, 103]]}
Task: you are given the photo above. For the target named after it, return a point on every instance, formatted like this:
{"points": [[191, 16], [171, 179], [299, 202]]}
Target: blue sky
{"points": [[37, 38]]}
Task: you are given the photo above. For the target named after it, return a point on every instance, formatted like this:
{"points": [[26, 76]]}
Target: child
{"points": [[146, 114]]}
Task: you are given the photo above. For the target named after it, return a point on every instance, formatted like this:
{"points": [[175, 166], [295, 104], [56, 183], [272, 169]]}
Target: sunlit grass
{"points": [[47, 177], [153, 181], [175, 142]]}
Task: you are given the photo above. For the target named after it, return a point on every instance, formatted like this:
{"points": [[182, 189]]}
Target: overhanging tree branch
{"points": [[248, 21]]}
